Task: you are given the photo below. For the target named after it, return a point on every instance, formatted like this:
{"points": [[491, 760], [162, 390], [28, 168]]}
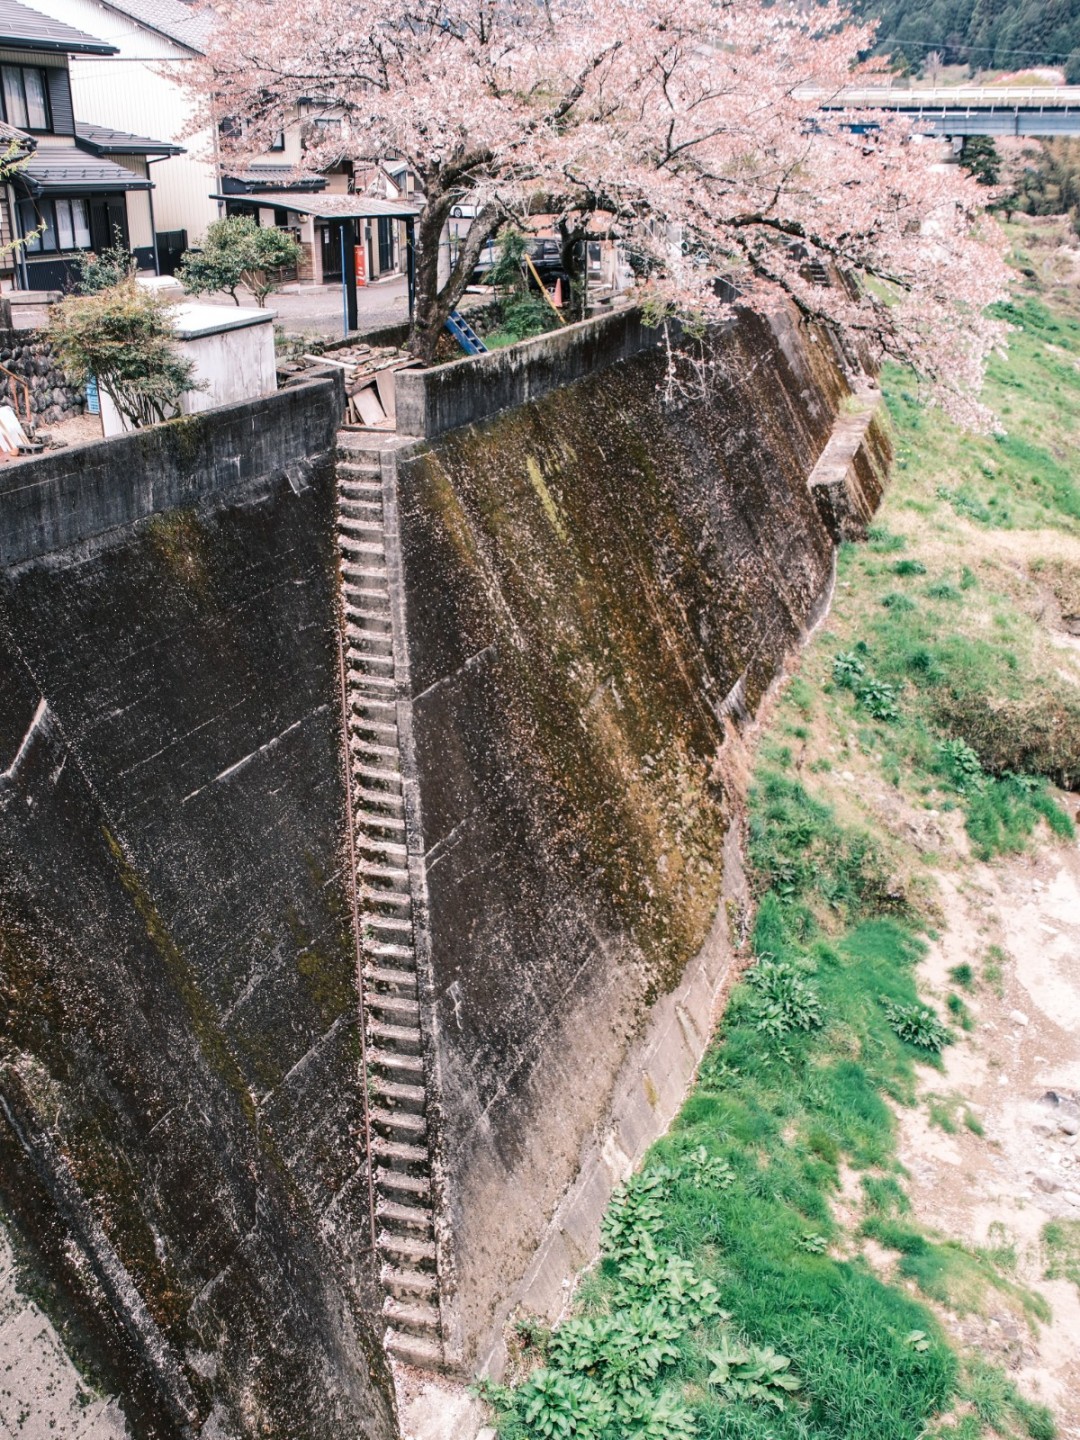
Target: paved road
{"points": [[317, 309]]}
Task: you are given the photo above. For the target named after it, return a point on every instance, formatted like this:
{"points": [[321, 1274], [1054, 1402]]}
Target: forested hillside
{"points": [[987, 34]]}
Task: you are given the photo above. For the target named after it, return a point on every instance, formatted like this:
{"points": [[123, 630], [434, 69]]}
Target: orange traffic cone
{"points": [[558, 294]]}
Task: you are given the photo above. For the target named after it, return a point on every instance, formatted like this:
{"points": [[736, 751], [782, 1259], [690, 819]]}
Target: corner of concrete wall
{"points": [[435, 401]]}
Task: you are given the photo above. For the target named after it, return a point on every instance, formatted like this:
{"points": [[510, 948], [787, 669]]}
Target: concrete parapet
{"points": [[433, 402], [71, 496]]}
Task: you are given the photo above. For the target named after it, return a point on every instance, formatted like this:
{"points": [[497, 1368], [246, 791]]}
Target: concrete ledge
{"points": [[70, 496], [431, 402]]}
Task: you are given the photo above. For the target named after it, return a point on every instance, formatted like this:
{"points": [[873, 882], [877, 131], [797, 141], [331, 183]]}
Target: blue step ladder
{"points": [[465, 335]]}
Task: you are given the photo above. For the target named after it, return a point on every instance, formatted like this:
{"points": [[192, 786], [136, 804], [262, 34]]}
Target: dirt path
{"points": [[1017, 924]]}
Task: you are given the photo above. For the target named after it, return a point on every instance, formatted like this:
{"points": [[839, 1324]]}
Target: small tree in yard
{"points": [[124, 336], [238, 251], [693, 128]]}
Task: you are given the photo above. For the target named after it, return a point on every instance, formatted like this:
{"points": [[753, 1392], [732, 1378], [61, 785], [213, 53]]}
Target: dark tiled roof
{"points": [[175, 19], [9, 136], [24, 29], [65, 167], [271, 177], [100, 140]]}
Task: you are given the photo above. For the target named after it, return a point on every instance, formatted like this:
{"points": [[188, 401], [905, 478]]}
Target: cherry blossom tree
{"points": [[695, 128]]}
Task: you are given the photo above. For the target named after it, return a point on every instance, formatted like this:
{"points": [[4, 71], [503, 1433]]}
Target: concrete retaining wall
{"points": [[68, 497], [433, 402], [597, 589], [183, 1165]]}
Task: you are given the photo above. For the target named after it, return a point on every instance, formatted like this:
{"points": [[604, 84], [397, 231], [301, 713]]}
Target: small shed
{"points": [[233, 355]]}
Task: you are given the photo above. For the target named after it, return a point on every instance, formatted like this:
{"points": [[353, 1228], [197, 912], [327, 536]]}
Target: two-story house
{"points": [[143, 83], [68, 187]]}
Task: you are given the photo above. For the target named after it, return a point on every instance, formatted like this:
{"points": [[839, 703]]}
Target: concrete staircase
{"points": [[400, 1155]]}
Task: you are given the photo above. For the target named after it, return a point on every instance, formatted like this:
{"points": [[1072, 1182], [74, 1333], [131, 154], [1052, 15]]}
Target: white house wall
{"points": [[136, 91]]}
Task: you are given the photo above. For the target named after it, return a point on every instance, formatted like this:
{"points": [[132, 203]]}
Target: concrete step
{"points": [[408, 1096], [414, 1349], [406, 1219], [375, 731], [350, 509], [379, 802], [372, 822], [373, 622], [398, 1154], [395, 875], [361, 600], [365, 576], [380, 900], [385, 849], [414, 1316], [391, 955], [404, 1281], [361, 526], [412, 1097], [395, 1037], [359, 470], [375, 709], [390, 928], [408, 1250], [373, 685], [394, 1062], [380, 757], [393, 982], [398, 1182], [363, 562], [397, 1009], [368, 662], [360, 650], [384, 779], [399, 1125]]}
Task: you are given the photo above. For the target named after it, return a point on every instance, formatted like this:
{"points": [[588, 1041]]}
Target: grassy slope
{"points": [[731, 1250]]}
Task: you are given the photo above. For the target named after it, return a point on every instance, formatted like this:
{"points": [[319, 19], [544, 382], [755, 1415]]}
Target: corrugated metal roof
{"points": [[328, 207], [66, 167], [101, 140], [24, 29], [172, 18]]}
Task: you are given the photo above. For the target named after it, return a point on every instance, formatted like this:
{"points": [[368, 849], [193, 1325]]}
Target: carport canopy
{"points": [[345, 210]]}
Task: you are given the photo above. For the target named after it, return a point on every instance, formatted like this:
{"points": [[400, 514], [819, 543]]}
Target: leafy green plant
{"points": [[751, 1372], [961, 764], [878, 699], [123, 336], [962, 975], [848, 669], [917, 1024], [112, 266], [909, 567], [238, 251], [784, 999]]}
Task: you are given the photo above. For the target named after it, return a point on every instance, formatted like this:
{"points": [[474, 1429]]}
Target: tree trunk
{"points": [[434, 301]]}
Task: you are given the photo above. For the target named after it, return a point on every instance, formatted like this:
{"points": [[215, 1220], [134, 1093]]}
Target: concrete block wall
{"points": [[183, 1164]]}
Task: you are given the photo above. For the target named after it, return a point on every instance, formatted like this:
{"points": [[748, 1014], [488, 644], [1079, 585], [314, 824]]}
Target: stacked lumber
{"points": [[369, 372]]}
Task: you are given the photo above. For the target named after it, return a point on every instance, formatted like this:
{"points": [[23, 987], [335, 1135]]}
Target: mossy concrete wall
{"points": [[182, 1159], [597, 590]]}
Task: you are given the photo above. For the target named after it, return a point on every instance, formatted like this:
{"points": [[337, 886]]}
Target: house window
{"points": [[278, 142], [66, 225], [26, 97]]}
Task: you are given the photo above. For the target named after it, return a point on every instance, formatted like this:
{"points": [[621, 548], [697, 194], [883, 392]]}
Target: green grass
{"points": [[1061, 1243]]}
